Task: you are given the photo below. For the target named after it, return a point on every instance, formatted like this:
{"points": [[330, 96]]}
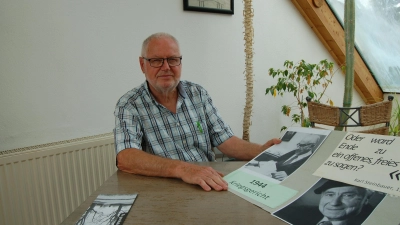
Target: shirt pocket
{"points": [[199, 135]]}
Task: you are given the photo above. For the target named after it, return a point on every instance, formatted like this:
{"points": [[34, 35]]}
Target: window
{"points": [[377, 38]]}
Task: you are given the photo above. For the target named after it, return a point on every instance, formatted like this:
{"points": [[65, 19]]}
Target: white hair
{"points": [[145, 44]]}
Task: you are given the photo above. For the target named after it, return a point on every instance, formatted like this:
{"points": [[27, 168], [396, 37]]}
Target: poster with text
{"points": [[259, 179], [366, 160]]}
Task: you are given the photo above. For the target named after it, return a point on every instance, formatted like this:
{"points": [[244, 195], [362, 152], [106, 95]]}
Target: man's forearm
{"points": [[138, 162], [244, 150], [240, 149]]}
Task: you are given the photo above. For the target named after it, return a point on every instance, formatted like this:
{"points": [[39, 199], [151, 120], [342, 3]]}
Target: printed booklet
{"points": [[108, 209]]}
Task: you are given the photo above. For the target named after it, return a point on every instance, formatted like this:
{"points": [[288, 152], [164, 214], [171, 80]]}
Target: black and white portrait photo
{"points": [[331, 202], [107, 210], [283, 159]]}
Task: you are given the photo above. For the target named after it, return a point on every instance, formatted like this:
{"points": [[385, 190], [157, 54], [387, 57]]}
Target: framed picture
{"points": [[213, 6]]}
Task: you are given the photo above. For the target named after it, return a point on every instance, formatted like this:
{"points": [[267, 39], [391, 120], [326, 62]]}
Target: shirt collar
{"points": [[333, 222], [182, 88]]}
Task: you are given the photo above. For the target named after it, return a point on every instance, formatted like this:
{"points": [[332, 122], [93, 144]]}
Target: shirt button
{"points": [[184, 141]]}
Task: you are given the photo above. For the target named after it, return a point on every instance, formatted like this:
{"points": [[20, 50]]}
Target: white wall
{"points": [[64, 64]]}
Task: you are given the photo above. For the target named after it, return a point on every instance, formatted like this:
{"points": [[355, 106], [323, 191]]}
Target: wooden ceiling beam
{"points": [[328, 29]]}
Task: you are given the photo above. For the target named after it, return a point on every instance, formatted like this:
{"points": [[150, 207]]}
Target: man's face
{"points": [[304, 146], [165, 78], [340, 203]]}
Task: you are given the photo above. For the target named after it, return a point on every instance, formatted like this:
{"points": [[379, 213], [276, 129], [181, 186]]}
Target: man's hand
{"points": [[138, 162], [279, 175], [271, 142], [206, 177]]}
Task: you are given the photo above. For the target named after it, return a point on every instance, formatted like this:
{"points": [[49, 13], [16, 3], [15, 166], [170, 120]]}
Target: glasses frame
{"points": [[163, 60]]}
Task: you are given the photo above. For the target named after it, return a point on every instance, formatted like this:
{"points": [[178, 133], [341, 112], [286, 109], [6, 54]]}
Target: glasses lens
{"points": [[156, 62], [174, 61]]}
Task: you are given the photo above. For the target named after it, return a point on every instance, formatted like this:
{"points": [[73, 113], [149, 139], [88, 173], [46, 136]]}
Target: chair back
{"points": [[363, 116]]}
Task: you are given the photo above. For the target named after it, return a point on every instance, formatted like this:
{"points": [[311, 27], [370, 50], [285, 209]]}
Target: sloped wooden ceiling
{"points": [[328, 29]]}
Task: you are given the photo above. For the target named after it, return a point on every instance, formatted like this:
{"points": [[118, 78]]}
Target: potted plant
{"points": [[302, 79]]}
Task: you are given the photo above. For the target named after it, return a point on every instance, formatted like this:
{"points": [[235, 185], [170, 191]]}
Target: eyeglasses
{"points": [[305, 145], [159, 62]]}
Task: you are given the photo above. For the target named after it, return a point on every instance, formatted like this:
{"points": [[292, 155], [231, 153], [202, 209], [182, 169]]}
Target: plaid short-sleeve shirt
{"points": [[189, 135]]}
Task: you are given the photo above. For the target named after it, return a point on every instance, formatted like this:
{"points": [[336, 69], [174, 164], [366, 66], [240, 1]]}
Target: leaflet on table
{"points": [[258, 181], [107, 209], [366, 160]]}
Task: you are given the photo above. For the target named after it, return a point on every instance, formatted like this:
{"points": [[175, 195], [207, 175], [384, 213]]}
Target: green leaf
{"points": [[305, 77], [296, 118], [285, 73]]}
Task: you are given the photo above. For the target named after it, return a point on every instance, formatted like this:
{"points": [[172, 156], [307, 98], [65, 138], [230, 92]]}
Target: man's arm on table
{"points": [[139, 162], [243, 150]]}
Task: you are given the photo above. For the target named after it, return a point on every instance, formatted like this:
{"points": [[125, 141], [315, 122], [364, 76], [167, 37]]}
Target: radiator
{"points": [[43, 184]]}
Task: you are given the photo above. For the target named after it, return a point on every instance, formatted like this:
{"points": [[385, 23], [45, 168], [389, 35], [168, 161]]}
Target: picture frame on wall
{"points": [[212, 6]]}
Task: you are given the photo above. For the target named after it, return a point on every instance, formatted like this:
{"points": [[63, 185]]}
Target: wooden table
{"points": [[171, 201]]}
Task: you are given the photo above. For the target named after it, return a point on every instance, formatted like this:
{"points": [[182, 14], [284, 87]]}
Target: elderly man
{"points": [[165, 123], [291, 161], [343, 204], [339, 204], [281, 167]]}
